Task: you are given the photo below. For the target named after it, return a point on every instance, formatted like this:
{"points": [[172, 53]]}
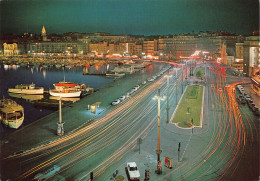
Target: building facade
{"points": [[251, 55]]}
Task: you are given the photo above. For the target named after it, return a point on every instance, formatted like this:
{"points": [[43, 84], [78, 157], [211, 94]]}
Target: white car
{"points": [[144, 82], [122, 98], [150, 80], [135, 88], [132, 91], [133, 172], [115, 102]]}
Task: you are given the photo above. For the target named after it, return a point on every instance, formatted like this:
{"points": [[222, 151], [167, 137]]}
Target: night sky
{"points": [[140, 17]]}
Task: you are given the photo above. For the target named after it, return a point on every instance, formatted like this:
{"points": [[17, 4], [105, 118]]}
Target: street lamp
{"points": [[60, 129], [159, 151], [176, 86], [167, 108], [192, 125]]}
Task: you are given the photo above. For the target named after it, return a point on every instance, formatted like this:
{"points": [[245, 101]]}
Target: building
{"points": [[150, 47], [57, 49], [251, 57], [11, 49]]}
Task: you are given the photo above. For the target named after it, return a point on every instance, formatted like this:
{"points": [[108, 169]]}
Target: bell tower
{"points": [[44, 37]]}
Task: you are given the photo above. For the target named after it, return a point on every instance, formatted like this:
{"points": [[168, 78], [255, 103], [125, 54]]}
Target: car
{"points": [[144, 82], [241, 99], [150, 80], [220, 89], [115, 102], [249, 101], [251, 105], [132, 91], [248, 96], [132, 170], [122, 98], [137, 86], [254, 109]]}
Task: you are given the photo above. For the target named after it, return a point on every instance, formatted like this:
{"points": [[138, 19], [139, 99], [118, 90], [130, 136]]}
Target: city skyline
{"points": [[129, 17]]}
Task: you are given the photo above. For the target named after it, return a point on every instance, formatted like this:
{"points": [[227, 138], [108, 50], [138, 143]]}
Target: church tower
{"points": [[44, 37]]}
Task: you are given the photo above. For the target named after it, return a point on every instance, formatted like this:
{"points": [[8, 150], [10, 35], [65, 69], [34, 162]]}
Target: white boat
{"points": [[67, 89], [11, 113], [26, 89], [65, 93]]}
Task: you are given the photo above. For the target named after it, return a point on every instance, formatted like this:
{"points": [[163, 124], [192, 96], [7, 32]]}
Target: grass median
{"points": [[189, 107]]}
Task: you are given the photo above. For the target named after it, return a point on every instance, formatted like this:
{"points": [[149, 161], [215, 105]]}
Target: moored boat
{"points": [[67, 89], [26, 89], [11, 113], [65, 93]]}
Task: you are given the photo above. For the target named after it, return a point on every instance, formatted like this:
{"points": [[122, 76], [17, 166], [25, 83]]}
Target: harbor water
{"points": [[11, 75]]}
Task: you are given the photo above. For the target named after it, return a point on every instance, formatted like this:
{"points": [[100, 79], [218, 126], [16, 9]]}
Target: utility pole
{"points": [[60, 129], [167, 108], [182, 80], [179, 149], [159, 151], [176, 94], [192, 125]]}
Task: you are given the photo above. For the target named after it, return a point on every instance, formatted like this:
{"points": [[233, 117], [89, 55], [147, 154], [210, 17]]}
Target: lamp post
{"points": [[182, 80], [192, 125], [159, 151], [60, 129], [167, 108], [176, 86]]}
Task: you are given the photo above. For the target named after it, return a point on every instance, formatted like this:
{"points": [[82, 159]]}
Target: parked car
{"points": [[150, 80], [257, 113], [132, 91], [132, 170], [251, 105], [115, 102], [241, 99], [254, 109], [122, 98], [144, 82], [249, 101]]}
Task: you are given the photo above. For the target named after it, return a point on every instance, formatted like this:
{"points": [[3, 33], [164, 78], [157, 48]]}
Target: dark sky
{"points": [[142, 17]]}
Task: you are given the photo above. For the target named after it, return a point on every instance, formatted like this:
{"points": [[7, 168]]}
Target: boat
{"points": [[26, 89], [11, 113], [115, 74], [67, 89], [65, 93]]}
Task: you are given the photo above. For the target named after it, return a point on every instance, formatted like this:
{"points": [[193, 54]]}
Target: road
{"points": [[213, 152]]}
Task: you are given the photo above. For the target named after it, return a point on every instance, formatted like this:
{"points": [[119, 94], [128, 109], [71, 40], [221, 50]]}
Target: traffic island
{"points": [[188, 113]]}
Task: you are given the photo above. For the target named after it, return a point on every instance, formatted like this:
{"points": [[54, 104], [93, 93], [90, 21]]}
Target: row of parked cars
{"points": [[135, 88], [244, 98]]}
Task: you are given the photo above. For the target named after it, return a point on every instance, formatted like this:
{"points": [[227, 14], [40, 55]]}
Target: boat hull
{"points": [[65, 94], [13, 124], [27, 91]]}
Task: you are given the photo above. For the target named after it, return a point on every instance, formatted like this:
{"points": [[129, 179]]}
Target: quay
{"points": [[74, 115]]}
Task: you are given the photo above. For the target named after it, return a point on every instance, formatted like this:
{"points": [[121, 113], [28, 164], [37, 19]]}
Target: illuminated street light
{"points": [[60, 130], [159, 151], [167, 108]]}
